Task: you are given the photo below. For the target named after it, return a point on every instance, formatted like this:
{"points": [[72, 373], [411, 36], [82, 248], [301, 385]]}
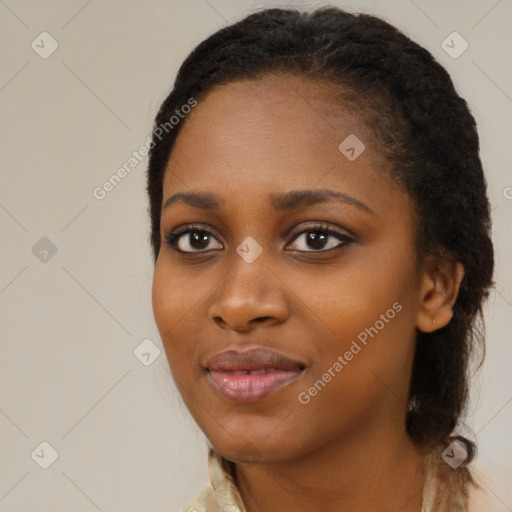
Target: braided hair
{"points": [[424, 132]]}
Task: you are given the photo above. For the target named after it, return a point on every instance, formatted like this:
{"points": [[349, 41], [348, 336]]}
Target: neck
{"points": [[371, 470]]}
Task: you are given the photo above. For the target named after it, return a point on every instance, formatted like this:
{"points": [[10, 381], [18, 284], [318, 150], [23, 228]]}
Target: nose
{"points": [[249, 294]]}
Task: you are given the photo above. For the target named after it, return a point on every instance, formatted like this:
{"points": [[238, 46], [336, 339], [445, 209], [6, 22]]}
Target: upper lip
{"points": [[251, 360]]}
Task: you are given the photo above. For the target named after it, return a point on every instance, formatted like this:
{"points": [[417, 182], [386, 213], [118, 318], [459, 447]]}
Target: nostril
{"points": [[218, 320], [261, 318]]}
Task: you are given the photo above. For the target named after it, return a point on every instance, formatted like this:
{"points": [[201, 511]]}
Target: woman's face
{"points": [[341, 306]]}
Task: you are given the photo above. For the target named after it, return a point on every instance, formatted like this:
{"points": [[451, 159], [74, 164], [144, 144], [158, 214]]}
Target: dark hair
{"points": [[423, 130]]}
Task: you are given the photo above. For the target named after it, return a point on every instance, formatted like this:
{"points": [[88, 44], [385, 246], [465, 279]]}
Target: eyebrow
{"points": [[281, 202]]}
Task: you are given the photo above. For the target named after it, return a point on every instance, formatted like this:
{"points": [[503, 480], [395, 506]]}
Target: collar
{"points": [[222, 495]]}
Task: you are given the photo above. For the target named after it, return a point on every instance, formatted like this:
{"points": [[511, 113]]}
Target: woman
{"points": [[320, 227]]}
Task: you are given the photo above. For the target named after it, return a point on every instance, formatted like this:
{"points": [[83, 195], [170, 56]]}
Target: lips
{"points": [[251, 360], [251, 375]]}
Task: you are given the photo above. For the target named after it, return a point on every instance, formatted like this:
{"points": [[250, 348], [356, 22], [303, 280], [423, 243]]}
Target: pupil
{"points": [[316, 241], [200, 238]]}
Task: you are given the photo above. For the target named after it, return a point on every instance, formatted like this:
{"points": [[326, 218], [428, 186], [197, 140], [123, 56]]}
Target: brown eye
{"points": [[192, 240], [320, 238]]}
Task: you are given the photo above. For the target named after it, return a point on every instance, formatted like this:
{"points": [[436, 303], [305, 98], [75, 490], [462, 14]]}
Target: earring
{"points": [[433, 321]]}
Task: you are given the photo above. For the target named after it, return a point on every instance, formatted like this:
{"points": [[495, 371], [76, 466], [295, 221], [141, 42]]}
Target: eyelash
{"points": [[172, 238]]}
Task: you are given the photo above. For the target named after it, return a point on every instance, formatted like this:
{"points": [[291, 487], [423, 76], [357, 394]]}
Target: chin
{"points": [[263, 451]]}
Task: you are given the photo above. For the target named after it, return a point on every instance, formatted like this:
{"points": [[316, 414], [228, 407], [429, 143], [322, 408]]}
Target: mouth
{"points": [[251, 375]]}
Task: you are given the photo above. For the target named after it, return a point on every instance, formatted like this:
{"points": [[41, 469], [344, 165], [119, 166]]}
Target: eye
{"points": [[317, 237], [198, 239]]}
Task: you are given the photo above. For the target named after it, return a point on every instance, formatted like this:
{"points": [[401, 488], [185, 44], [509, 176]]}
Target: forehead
{"points": [[282, 121], [276, 133]]}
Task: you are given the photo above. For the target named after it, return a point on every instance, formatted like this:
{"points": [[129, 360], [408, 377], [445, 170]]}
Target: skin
{"points": [[347, 449]]}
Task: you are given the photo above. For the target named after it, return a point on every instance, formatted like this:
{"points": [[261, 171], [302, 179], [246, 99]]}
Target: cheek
{"points": [[366, 290], [175, 304], [164, 301], [168, 308], [174, 295], [359, 377], [370, 311]]}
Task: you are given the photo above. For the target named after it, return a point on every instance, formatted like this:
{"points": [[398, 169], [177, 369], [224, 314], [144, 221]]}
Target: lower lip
{"points": [[250, 387]]}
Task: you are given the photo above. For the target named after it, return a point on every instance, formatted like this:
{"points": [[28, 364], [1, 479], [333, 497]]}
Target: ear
{"points": [[438, 293]]}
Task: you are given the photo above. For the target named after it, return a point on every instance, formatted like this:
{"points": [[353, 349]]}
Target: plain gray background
{"points": [[72, 319]]}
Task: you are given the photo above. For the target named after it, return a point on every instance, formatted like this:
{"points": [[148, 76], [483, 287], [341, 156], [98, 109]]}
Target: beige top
{"points": [[446, 489]]}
